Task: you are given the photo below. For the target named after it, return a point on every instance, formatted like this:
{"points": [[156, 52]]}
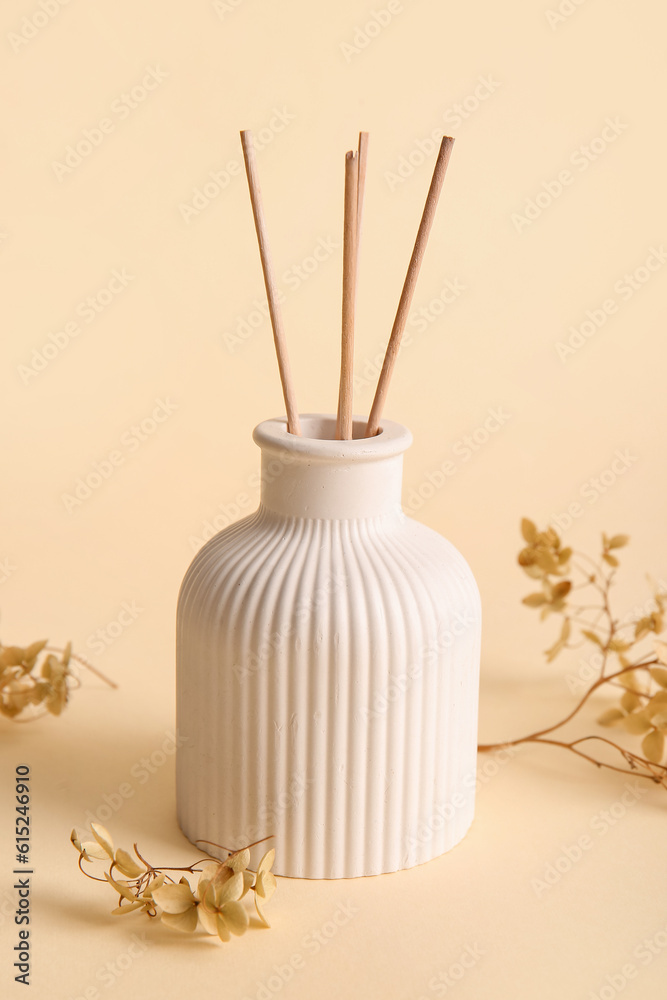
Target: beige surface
{"points": [[543, 91]]}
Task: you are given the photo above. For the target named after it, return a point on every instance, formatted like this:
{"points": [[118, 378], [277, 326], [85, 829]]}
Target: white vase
{"points": [[328, 666]]}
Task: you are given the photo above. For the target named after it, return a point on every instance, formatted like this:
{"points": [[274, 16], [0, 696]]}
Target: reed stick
{"points": [[344, 417], [293, 422], [373, 425], [345, 395]]}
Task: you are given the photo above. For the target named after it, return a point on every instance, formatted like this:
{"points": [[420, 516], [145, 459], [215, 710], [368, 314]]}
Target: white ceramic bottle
{"points": [[328, 666]]}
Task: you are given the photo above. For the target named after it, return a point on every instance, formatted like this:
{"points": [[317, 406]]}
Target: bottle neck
{"points": [[295, 486], [317, 476]]}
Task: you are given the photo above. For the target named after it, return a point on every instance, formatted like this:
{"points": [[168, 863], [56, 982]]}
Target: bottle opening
{"points": [[318, 442], [323, 428]]}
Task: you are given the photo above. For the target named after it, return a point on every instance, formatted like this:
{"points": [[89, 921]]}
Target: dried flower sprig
{"points": [[26, 681], [214, 903], [640, 675]]}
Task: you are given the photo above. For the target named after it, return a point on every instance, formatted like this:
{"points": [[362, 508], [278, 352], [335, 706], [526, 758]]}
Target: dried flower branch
{"points": [[25, 681], [640, 677], [212, 904]]}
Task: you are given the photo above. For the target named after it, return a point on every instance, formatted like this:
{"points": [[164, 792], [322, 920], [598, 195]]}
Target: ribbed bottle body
{"points": [[327, 691]]}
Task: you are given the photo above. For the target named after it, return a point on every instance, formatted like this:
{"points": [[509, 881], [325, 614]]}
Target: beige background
{"points": [[553, 82]]}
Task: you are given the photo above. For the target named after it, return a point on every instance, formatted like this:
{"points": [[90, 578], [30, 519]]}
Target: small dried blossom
{"points": [[642, 711], [212, 904], [26, 682], [265, 886]]}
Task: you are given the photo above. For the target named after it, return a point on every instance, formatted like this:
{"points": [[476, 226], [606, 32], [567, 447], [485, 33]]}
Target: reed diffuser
{"points": [[328, 645]]}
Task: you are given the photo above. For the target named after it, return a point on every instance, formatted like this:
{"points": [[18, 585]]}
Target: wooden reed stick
{"points": [[344, 418], [293, 422], [373, 425]]}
